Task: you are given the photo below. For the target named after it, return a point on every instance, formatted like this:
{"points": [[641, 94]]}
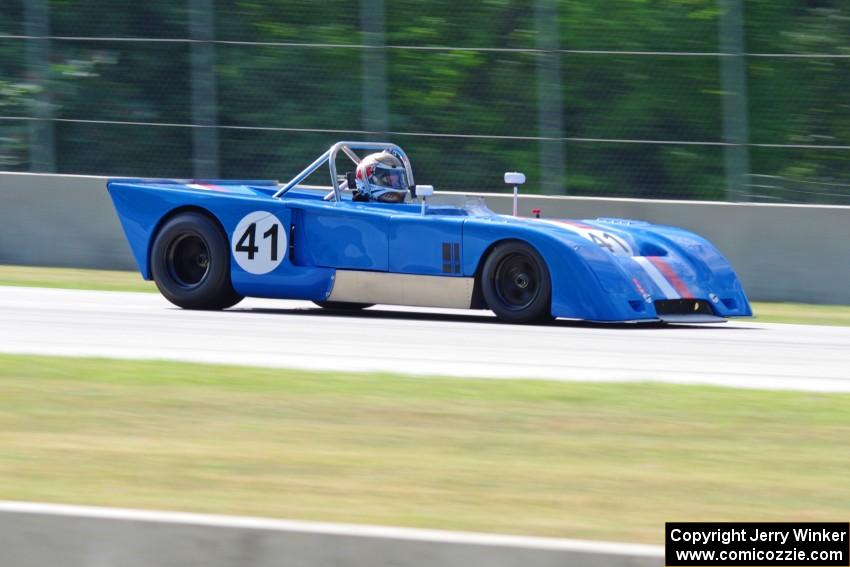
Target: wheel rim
{"points": [[517, 281], [188, 260]]}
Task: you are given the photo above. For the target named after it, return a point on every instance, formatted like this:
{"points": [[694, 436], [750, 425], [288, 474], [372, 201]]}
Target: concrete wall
{"points": [[36, 535], [781, 252], [60, 220]]}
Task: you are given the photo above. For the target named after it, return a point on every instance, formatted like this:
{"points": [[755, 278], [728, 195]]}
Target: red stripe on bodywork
{"points": [[671, 276]]}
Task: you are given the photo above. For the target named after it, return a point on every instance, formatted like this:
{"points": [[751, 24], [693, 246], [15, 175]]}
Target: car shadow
{"points": [[484, 318]]}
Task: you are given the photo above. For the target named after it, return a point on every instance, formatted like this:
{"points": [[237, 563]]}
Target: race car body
{"points": [[207, 244]]}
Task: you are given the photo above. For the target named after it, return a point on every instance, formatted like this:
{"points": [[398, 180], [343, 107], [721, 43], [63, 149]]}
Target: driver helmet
{"points": [[381, 177]]}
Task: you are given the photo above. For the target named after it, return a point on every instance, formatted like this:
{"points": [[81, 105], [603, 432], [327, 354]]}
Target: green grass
{"points": [[803, 314], [799, 313], [583, 460], [72, 278]]}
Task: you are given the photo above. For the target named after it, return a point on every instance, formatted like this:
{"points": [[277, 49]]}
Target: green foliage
{"points": [[15, 92], [13, 145], [646, 25], [450, 91], [801, 101]]}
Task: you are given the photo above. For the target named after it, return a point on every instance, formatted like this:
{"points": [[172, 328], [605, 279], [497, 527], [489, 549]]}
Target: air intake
{"points": [[683, 307]]}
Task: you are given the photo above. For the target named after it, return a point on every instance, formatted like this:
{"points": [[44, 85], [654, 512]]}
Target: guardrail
{"points": [[781, 252], [35, 535]]}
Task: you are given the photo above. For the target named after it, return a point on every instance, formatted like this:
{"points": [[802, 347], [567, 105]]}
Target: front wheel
{"points": [[516, 285], [190, 263]]}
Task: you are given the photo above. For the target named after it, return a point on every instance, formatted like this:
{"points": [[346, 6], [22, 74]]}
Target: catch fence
{"points": [[682, 99]]}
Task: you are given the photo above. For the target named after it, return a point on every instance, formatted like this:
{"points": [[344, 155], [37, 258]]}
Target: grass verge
{"points": [[73, 278], [799, 313], [802, 314], [582, 460]]}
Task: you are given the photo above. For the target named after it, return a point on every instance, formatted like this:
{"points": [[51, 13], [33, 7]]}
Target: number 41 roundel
{"points": [[259, 243]]}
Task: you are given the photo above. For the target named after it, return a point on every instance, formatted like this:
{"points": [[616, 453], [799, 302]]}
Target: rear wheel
{"points": [[343, 305], [190, 263], [515, 283]]}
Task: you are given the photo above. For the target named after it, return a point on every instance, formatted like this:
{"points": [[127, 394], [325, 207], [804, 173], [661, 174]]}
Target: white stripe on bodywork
{"points": [[620, 248], [657, 277], [617, 245]]}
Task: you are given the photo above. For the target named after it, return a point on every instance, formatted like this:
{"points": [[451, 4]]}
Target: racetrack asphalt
{"points": [[298, 334]]}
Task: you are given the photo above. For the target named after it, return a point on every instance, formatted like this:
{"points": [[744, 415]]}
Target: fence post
{"points": [[41, 142], [204, 96], [373, 60], [550, 122], [733, 79]]}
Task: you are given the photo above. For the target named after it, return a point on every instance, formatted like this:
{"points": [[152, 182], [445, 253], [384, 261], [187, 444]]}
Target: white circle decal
{"points": [[259, 243]]}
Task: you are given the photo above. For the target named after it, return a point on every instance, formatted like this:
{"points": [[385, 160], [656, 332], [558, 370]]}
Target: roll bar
{"points": [[347, 148]]}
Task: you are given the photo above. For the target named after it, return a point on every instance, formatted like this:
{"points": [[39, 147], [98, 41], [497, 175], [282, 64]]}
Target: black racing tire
{"points": [[190, 263], [343, 305], [516, 285]]}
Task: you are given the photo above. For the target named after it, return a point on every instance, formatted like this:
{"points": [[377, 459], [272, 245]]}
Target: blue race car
{"points": [[372, 236]]}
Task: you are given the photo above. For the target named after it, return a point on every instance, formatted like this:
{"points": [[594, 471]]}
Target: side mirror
{"points": [[423, 191], [514, 178]]}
